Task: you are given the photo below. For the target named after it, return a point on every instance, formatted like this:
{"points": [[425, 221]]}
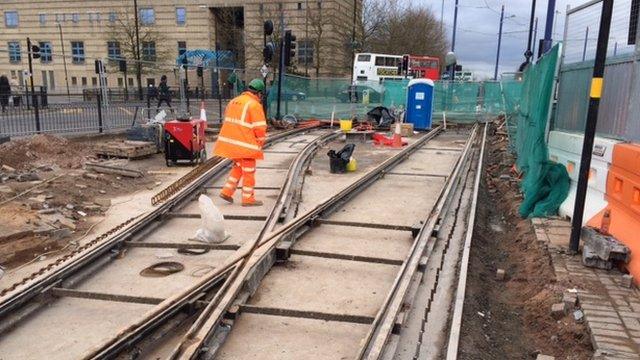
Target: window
{"points": [[74, 81], [77, 52], [84, 81], [14, 52], [182, 47], [59, 18], [46, 55], [319, 4], [113, 16], [75, 17], [151, 81], [94, 81], [261, 9], [11, 19], [181, 16], [391, 61], [279, 6], [94, 17], [113, 50], [120, 82], [43, 19], [305, 52], [149, 50], [299, 6], [364, 58], [147, 16], [130, 81], [379, 61]]}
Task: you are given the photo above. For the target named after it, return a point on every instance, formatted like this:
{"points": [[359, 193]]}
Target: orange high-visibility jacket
{"points": [[244, 129]]}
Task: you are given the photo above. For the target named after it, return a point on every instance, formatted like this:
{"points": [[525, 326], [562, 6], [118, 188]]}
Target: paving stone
{"points": [[629, 314], [612, 346], [609, 320], [545, 357], [611, 333], [610, 313], [627, 280], [631, 323], [606, 326], [595, 307], [605, 339]]}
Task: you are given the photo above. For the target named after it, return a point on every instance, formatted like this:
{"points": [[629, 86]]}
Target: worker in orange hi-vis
{"points": [[241, 138]]}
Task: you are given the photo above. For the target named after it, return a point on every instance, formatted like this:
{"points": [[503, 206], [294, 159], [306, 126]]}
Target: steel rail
{"points": [[40, 282], [374, 342], [456, 322], [296, 169], [133, 334], [268, 244]]}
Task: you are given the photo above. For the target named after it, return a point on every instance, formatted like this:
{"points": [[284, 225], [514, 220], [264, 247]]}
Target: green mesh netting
{"points": [[545, 186], [318, 98], [512, 91]]}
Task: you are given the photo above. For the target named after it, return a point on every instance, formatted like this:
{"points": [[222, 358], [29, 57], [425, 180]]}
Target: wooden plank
{"points": [[127, 149], [81, 294], [316, 315], [328, 255], [115, 170]]}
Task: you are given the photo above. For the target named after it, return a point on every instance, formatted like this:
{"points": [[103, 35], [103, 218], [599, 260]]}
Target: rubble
{"points": [[544, 357], [104, 202], [558, 311], [627, 280], [569, 301], [500, 274], [602, 251]]}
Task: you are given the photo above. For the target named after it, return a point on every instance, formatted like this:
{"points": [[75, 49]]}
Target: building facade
{"points": [[72, 34]]}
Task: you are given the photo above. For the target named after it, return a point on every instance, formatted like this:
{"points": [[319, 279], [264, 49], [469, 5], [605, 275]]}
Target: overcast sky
{"points": [[478, 23]]}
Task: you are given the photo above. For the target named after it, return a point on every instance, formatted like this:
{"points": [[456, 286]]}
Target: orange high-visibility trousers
{"points": [[244, 169]]}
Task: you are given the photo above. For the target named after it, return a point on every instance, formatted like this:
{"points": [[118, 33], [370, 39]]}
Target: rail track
{"points": [[342, 287], [94, 293], [331, 267]]}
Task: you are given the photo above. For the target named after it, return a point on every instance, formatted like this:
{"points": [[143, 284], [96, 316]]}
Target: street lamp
{"points": [[495, 74]]}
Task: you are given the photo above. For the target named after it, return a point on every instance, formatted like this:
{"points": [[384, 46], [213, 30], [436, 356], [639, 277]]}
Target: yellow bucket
{"points": [[352, 165], [345, 125]]}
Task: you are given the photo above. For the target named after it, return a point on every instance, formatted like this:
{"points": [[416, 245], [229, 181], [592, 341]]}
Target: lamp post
{"points": [[138, 64], [528, 54]]}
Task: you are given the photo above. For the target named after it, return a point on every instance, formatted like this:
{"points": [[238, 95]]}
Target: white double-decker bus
{"points": [[375, 67]]}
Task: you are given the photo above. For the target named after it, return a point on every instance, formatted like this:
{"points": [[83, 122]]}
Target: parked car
{"points": [[374, 95], [291, 95]]}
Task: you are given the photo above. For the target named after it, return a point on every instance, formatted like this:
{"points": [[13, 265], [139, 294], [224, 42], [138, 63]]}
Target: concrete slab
{"points": [[429, 162], [122, 276], [268, 197], [87, 323], [276, 160], [395, 196], [326, 285], [275, 337], [388, 244], [449, 140], [264, 177], [181, 230]]}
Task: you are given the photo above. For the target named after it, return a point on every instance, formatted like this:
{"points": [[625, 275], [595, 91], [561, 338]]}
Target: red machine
{"points": [[184, 139]]}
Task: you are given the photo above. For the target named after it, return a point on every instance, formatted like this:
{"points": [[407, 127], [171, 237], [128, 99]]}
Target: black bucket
{"points": [[338, 160]]}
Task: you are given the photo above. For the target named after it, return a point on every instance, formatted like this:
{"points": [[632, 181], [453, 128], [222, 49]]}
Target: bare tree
{"points": [[317, 22], [123, 32]]}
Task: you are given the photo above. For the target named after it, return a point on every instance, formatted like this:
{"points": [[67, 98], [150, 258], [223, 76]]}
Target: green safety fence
{"points": [[320, 98], [545, 184]]}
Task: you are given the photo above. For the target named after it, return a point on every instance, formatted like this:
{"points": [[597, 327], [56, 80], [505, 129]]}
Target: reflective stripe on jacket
{"points": [[244, 129]]}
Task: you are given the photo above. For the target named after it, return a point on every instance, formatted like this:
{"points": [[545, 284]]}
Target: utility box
{"points": [[420, 103]]}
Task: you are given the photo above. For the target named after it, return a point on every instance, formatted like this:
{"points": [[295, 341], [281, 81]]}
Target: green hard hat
{"points": [[257, 85]]}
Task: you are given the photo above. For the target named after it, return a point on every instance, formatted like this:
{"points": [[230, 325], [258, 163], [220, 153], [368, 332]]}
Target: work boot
{"points": [[226, 198], [253, 203]]}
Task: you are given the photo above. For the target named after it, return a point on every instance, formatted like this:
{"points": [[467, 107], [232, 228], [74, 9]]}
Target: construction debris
{"points": [[127, 149], [602, 251], [114, 170], [500, 274], [627, 280], [558, 311]]}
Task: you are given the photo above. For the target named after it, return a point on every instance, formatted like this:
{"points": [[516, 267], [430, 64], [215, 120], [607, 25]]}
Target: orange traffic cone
{"points": [[203, 112], [397, 138]]}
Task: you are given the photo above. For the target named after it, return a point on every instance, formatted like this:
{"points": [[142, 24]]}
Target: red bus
{"points": [[424, 67]]}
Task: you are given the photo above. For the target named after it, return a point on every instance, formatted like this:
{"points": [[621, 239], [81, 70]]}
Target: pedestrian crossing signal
{"points": [[35, 51]]}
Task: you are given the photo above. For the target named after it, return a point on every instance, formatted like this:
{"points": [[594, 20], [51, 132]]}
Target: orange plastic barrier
{"points": [[623, 195]]}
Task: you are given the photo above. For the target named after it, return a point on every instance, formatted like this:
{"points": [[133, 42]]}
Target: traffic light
{"points": [[200, 71], [98, 67], [268, 51], [268, 28], [35, 51], [405, 64], [289, 47]]}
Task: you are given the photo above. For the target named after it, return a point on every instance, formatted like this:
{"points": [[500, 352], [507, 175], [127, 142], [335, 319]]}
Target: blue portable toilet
{"points": [[420, 103]]}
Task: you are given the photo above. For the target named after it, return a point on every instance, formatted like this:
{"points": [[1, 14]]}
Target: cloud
{"points": [[478, 25]]}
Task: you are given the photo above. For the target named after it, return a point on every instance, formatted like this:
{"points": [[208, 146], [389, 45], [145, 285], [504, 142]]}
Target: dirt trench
{"points": [[511, 319]]}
